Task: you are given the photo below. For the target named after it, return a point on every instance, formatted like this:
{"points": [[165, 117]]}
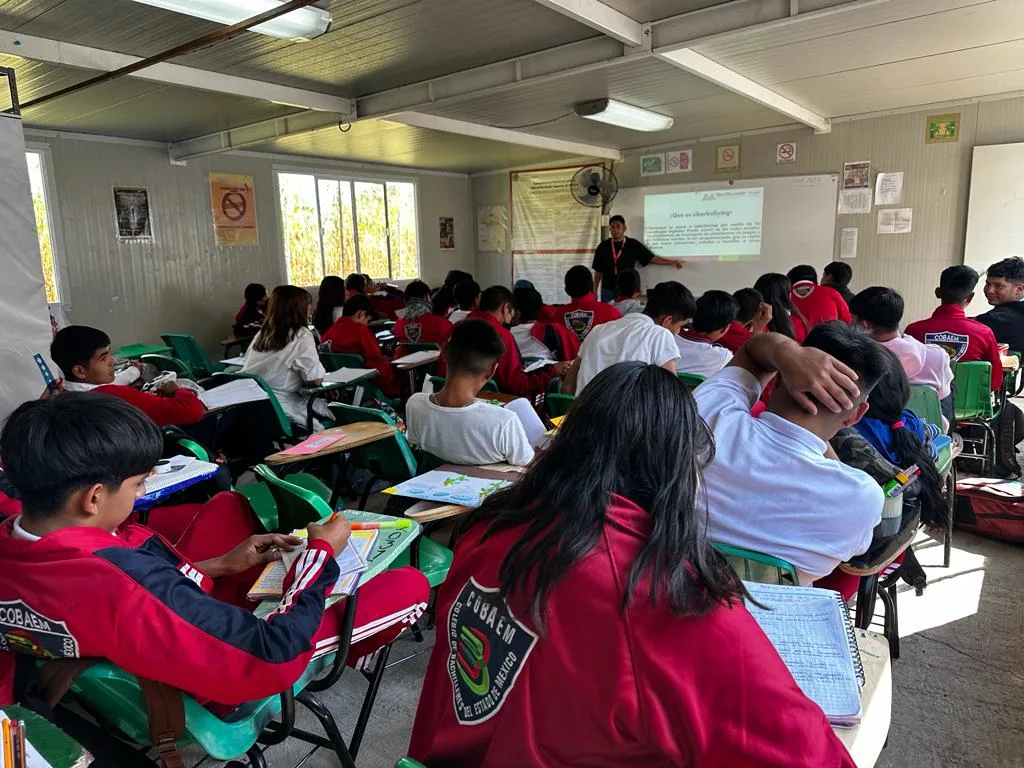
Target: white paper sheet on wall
{"points": [[855, 200], [895, 221], [889, 188], [848, 243]]}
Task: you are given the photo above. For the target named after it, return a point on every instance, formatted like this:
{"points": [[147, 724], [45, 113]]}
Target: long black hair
{"points": [[652, 455], [775, 288], [444, 299], [886, 403], [331, 295]]}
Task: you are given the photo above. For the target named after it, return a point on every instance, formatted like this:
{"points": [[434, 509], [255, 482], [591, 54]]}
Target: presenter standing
{"points": [[619, 253]]}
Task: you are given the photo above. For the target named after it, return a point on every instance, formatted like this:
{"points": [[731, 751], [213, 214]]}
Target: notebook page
{"points": [[233, 393], [182, 468], [351, 562], [807, 628], [345, 375], [536, 365], [414, 358], [449, 488]]}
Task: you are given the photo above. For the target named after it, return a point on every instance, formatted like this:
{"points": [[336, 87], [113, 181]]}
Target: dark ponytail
{"points": [[775, 288]]}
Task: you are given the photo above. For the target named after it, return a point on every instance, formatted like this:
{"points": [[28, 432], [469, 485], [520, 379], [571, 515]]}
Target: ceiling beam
{"points": [[601, 17], [84, 57], [480, 131], [252, 135], [697, 64]]}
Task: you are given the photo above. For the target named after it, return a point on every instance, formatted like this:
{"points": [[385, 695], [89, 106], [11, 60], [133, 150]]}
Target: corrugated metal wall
{"points": [[183, 281], [936, 186]]}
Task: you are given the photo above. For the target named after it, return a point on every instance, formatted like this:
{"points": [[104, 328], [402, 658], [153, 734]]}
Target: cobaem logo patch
{"points": [[579, 322], [955, 344], [24, 629], [487, 649]]}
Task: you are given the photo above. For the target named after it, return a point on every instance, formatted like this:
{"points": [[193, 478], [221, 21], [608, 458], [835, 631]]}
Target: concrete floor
{"points": [[958, 699]]}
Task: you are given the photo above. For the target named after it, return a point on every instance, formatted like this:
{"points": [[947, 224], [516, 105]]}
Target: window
{"points": [[334, 226], [41, 205]]}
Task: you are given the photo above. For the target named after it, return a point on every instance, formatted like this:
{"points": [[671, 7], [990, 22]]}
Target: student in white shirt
{"points": [[698, 351], [529, 303], [647, 337], [774, 485], [452, 424], [284, 352], [627, 299], [467, 293]]}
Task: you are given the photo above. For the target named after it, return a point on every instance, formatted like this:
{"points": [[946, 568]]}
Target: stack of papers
{"points": [[238, 361], [233, 393], [352, 561], [345, 375]]}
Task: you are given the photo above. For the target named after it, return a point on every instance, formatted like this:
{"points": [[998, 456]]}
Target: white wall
{"points": [[936, 186], [183, 281]]}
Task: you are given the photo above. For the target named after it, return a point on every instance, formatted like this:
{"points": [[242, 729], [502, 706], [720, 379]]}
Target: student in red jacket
{"points": [[537, 338], [584, 312], [753, 317], [83, 354], [586, 619], [78, 582], [419, 323], [498, 308], [964, 339], [352, 334], [817, 303]]}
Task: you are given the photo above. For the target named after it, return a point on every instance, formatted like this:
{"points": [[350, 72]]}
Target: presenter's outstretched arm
{"points": [[661, 261]]}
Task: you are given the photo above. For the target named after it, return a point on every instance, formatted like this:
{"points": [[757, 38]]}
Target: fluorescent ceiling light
{"points": [[623, 115], [302, 24]]}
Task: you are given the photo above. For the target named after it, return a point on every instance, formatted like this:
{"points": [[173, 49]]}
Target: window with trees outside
{"points": [[337, 226], [41, 205]]}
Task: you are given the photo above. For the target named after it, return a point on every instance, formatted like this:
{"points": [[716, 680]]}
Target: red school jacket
{"points": [[424, 329], [582, 315], [965, 340], [510, 377], [602, 688], [180, 409], [346, 335], [736, 336], [135, 600], [819, 303]]}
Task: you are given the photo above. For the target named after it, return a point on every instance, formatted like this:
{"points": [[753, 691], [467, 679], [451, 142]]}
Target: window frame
{"points": [[351, 177], [53, 219]]}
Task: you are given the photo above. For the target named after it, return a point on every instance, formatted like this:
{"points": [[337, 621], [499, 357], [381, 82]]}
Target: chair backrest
{"points": [[755, 566], [558, 405], [408, 762], [296, 506], [924, 401], [390, 459], [282, 418], [165, 363], [489, 386], [691, 380], [333, 361], [973, 396], [189, 351], [408, 347]]}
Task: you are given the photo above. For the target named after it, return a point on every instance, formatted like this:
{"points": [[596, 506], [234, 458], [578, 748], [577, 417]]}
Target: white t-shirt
{"points": [[701, 357], [635, 337], [479, 433], [458, 315], [287, 370], [771, 489], [528, 345]]}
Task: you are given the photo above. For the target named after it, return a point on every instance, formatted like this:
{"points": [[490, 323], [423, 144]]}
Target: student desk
{"points": [[498, 397], [236, 341], [356, 435], [865, 741], [417, 360], [436, 512], [135, 351], [312, 394]]}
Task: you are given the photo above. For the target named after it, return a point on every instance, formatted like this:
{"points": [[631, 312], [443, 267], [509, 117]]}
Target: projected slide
{"points": [[717, 225]]}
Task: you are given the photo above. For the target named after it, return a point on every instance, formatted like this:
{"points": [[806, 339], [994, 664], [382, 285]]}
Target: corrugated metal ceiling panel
{"points": [[377, 141], [651, 10]]}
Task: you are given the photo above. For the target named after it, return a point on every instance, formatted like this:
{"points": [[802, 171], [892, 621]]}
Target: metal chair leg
{"points": [[891, 622], [373, 679], [866, 592], [947, 542], [321, 713]]}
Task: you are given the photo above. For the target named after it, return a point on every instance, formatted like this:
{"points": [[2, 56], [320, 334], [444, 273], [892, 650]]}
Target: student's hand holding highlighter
{"points": [[259, 549], [336, 532]]}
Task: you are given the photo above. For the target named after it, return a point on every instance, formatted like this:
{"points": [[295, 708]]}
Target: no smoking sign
{"points": [[785, 152]]}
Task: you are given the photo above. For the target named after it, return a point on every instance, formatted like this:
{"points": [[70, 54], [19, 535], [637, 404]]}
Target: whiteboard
{"points": [[798, 227], [995, 211]]}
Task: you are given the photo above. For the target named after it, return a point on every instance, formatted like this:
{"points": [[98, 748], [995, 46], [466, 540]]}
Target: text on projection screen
{"points": [[711, 225]]}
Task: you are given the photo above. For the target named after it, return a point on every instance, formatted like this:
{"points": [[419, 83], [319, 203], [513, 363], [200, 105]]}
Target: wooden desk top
{"points": [[356, 435], [865, 741], [500, 397], [430, 512]]}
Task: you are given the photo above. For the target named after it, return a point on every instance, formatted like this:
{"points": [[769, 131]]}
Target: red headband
{"points": [[898, 425]]}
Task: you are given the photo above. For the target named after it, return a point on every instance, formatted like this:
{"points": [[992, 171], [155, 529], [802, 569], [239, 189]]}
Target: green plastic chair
{"points": [[282, 418], [558, 405], [755, 566], [262, 501], [408, 347], [333, 361], [165, 363], [189, 351], [438, 381], [408, 762], [691, 380], [296, 506], [972, 407], [924, 402]]}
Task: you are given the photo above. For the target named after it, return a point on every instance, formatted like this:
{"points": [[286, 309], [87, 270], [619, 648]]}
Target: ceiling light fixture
{"points": [[623, 115], [302, 24]]}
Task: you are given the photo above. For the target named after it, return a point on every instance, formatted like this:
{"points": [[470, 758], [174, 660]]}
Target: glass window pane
{"points": [[373, 236], [402, 225], [300, 228], [336, 220], [35, 177]]}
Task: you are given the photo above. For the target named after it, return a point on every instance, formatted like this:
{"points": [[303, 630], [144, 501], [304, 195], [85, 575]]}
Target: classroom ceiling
{"points": [[515, 64]]}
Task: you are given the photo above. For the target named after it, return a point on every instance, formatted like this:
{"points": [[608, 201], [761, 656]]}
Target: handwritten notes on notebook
{"points": [[449, 488], [811, 630]]}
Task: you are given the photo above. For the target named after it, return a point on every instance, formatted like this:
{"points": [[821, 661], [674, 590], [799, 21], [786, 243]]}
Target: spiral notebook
{"points": [[351, 563], [812, 631]]}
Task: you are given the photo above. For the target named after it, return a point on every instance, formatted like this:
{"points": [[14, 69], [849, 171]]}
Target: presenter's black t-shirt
{"points": [[633, 252]]}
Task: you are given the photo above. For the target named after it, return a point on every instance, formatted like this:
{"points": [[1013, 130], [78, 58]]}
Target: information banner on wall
{"points": [[551, 231], [25, 329], [234, 209]]}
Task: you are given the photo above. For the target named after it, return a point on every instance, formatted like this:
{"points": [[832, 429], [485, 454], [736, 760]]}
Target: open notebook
{"points": [[233, 393], [181, 471], [352, 561], [449, 488], [812, 631]]}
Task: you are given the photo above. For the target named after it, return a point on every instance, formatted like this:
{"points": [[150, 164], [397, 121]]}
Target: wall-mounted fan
{"points": [[594, 186]]}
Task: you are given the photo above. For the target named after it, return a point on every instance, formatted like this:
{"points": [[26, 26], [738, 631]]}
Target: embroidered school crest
{"points": [[413, 330], [579, 321], [955, 344], [24, 629], [488, 647], [804, 288]]}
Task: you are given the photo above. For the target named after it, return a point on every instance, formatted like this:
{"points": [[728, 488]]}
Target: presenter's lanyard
{"points": [[617, 254]]}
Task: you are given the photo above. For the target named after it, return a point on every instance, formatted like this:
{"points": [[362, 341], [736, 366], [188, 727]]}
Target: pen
{"points": [[18, 743], [400, 523]]}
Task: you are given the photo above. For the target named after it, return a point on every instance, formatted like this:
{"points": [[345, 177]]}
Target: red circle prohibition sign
{"points": [[233, 205], [727, 154], [786, 151]]}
